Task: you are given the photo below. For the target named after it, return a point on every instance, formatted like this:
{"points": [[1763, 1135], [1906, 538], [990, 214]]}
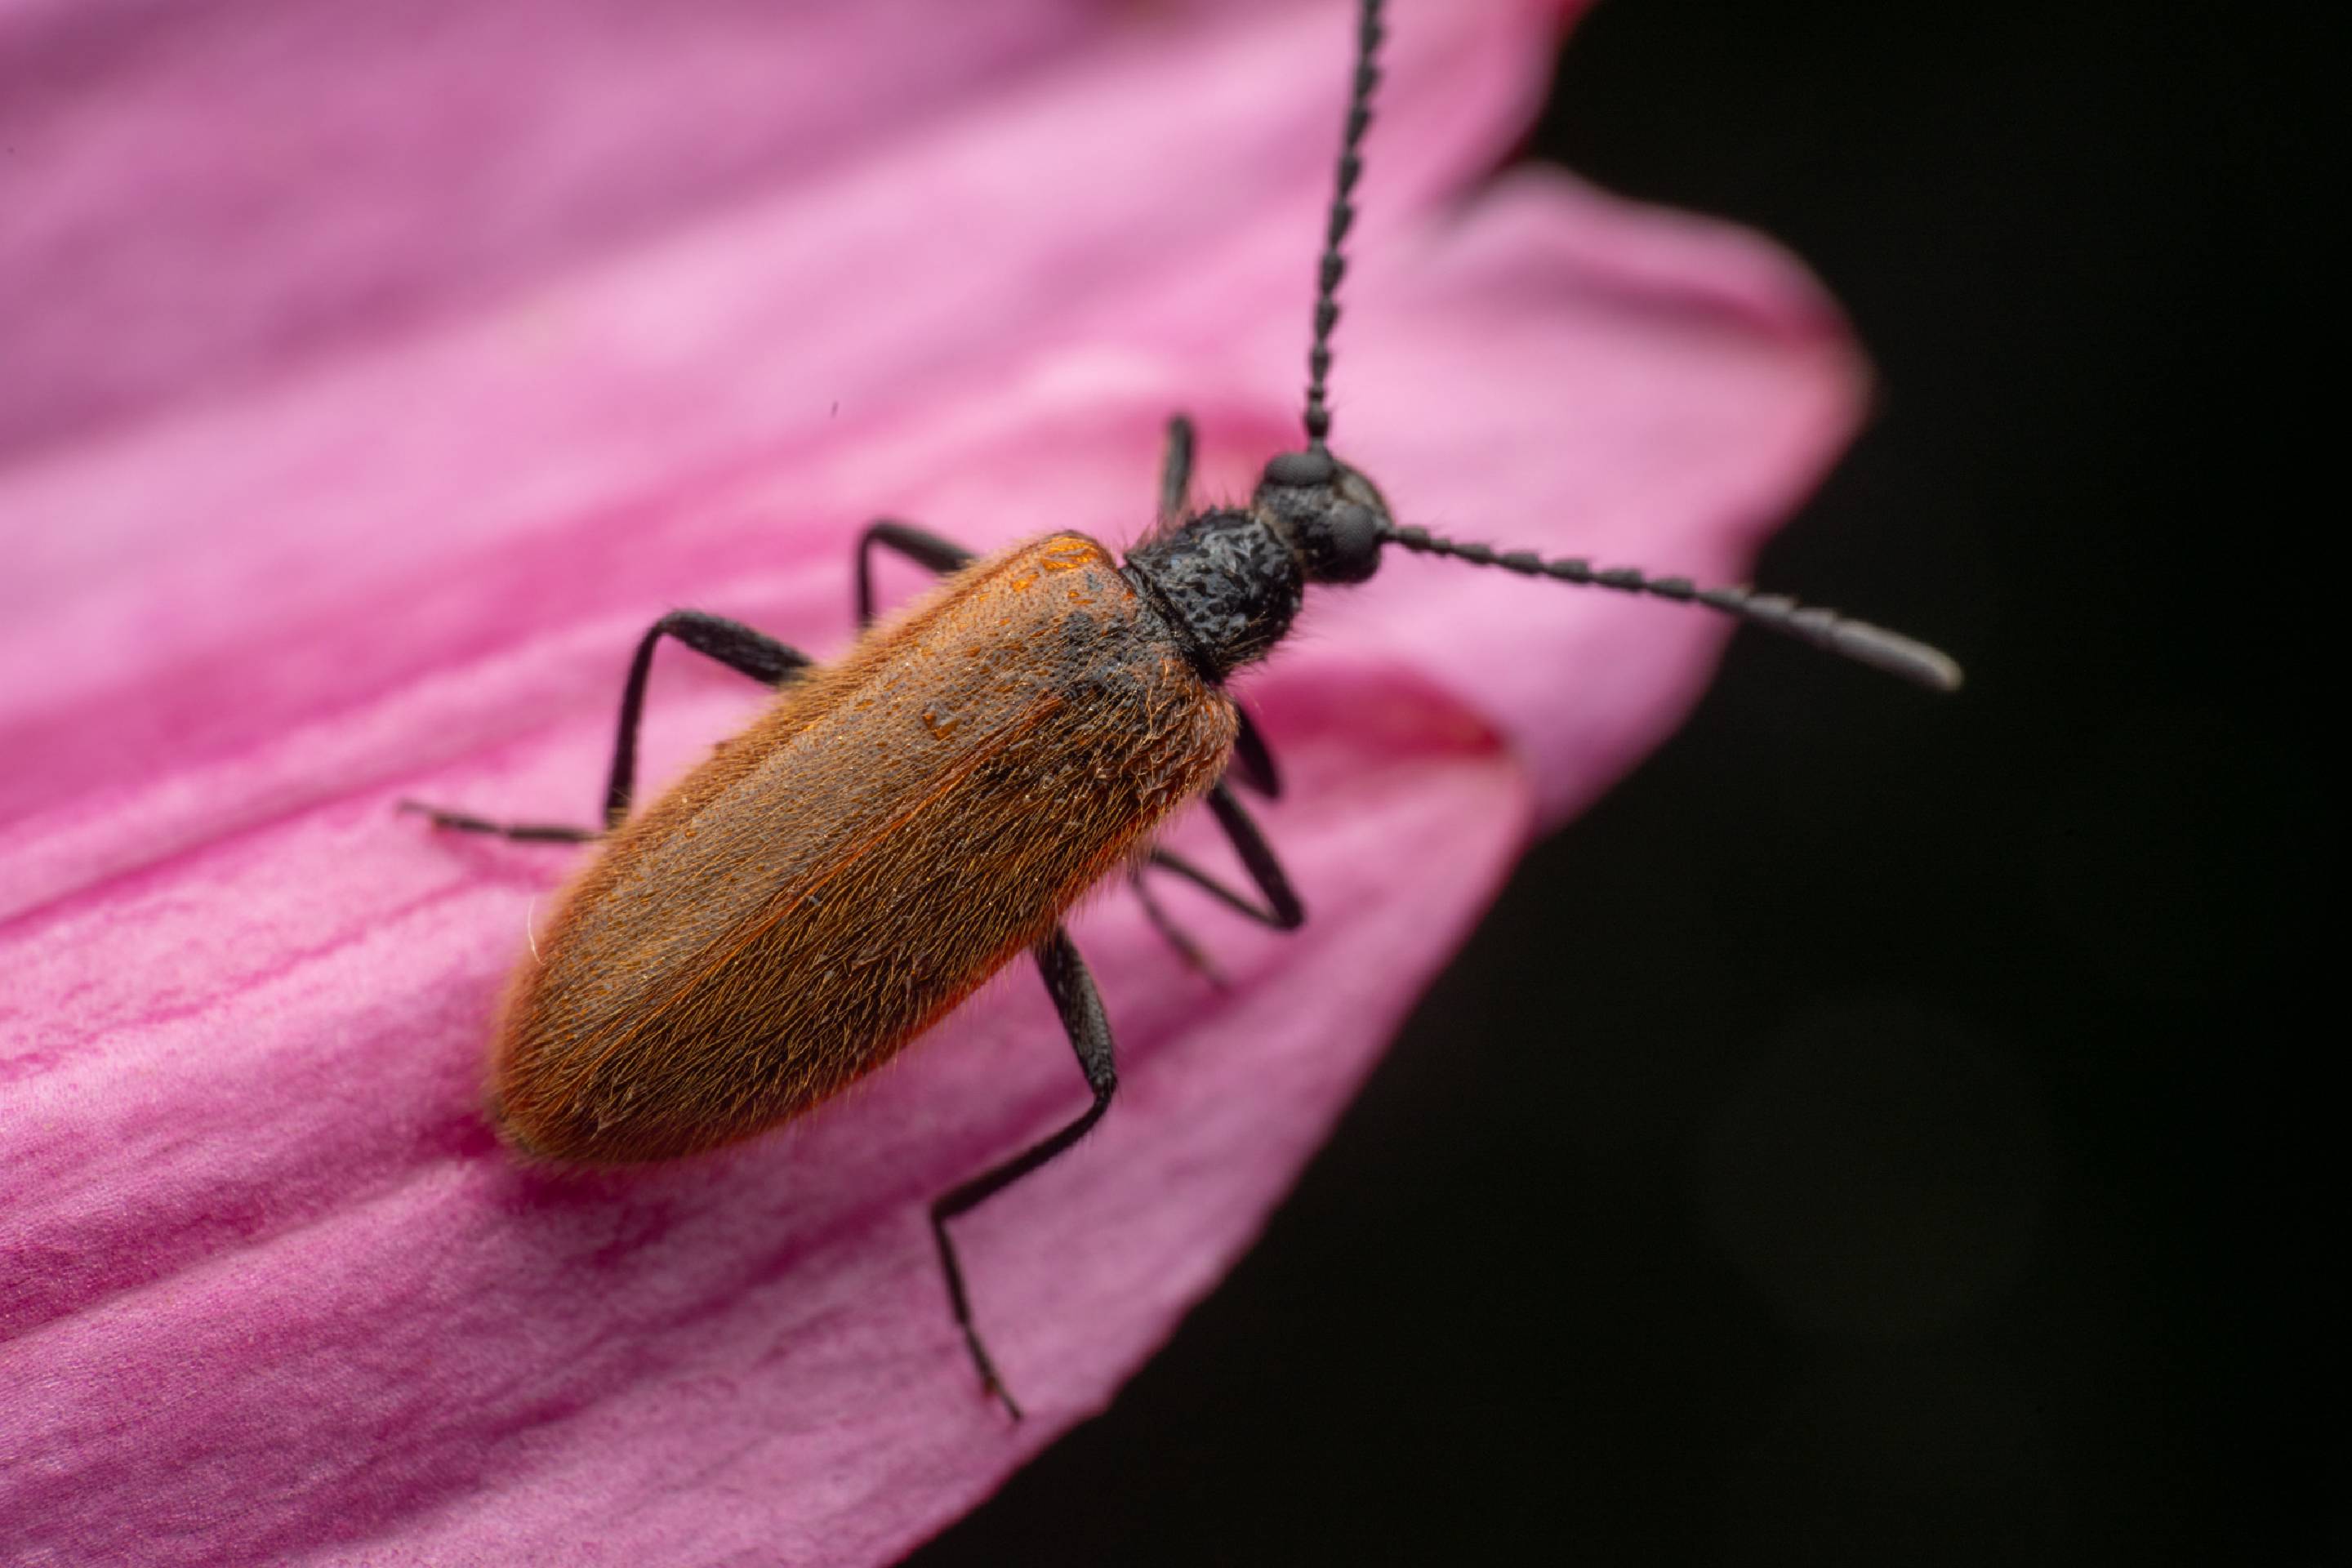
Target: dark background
{"points": [[1885, 1131]]}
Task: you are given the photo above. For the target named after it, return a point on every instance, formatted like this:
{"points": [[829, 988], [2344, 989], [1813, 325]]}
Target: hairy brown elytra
{"points": [[900, 825], [885, 836]]}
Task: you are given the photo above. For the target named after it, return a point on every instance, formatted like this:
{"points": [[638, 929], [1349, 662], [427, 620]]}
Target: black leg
{"points": [[1253, 765], [1282, 909], [1075, 997], [732, 643], [1195, 957], [1286, 913], [526, 832], [918, 545], [1176, 472]]}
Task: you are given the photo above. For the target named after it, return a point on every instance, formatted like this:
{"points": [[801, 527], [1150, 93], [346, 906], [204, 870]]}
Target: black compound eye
{"points": [[1345, 546], [1300, 469]]}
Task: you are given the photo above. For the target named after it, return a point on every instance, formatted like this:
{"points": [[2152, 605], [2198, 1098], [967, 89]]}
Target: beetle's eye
{"points": [[1344, 545], [1300, 469]]}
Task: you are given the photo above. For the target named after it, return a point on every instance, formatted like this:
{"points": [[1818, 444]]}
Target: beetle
{"points": [[900, 825]]}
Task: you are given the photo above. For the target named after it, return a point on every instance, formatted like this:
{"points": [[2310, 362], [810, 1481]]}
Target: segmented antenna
{"points": [[1826, 629], [1333, 265]]}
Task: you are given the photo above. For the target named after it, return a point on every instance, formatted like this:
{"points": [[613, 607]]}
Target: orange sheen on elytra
{"points": [[889, 833]]}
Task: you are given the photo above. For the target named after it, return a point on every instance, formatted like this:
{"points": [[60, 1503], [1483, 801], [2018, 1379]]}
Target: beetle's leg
{"points": [[732, 643], [1195, 957], [1176, 472], [1253, 765], [1080, 1006], [526, 832], [918, 545], [1282, 909]]}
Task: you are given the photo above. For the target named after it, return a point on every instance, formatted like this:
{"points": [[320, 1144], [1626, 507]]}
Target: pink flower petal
{"points": [[263, 1236], [268, 1291], [166, 231]]}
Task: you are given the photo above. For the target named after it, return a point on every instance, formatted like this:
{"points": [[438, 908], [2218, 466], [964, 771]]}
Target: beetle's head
{"points": [[1333, 517]]}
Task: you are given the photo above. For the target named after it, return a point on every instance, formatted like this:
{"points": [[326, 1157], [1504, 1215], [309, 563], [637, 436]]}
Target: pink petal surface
{"points": [[268, 1288], [372, 1325], [204, 194]]}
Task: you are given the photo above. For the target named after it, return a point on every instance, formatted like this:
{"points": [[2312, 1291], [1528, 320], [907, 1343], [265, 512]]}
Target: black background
{"points": [[1885, 1130]]}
